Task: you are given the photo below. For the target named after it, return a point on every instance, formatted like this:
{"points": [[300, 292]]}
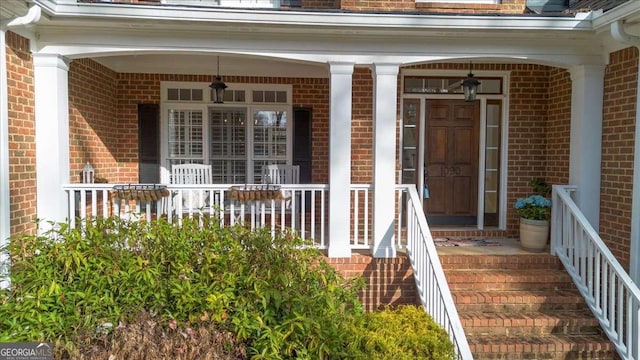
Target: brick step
{"points": [[569, 322], [500, 262], [524, 300], [549, 347], [481, 280]]}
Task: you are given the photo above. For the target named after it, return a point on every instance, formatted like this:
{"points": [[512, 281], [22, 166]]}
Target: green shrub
{"points": [[276, 294], [402, 333], [113, 286]]}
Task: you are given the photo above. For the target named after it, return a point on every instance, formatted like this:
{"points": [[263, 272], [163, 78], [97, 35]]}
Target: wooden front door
{"points": [[451, 162]]}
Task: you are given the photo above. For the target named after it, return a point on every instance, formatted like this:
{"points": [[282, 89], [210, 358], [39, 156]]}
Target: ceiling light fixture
{"points": [[218, 86]]}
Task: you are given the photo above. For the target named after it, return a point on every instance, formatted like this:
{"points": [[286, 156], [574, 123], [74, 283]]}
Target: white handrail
{"points": [[302, 210], [607, 288], [431, 282]]}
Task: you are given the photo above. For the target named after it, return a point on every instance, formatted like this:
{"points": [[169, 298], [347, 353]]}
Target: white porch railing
{"points": [[607, 288], [431, 283], [302, 209]]}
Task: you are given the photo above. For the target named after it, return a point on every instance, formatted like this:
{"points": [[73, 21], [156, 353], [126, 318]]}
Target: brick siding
{"points": [[22, 147], [388, 281], [558, 127], [92, 114], [504, 7], [529, 95], [618, 140]]}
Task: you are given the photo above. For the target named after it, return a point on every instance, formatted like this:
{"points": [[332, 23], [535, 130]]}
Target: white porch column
{"points": [[586, 138], [385, 79], [340, 158], [5, 220], [52, 136]]}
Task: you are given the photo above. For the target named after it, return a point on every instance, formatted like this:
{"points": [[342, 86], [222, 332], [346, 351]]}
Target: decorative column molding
{"points": [[385, 96], [341, 88], [5, 219], [52, 137], [585, 156]]}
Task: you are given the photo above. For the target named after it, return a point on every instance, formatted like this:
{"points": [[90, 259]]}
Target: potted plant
{"points": [[534, 211]]}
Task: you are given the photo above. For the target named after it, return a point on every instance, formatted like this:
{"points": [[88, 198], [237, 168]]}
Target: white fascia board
{"points": [[342, 20], [626, 11]]}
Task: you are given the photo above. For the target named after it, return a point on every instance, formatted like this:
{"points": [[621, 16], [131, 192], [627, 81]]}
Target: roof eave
{"points": [[355, 21]]}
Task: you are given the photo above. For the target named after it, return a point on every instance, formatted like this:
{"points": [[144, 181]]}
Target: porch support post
{"points": [[52, 137], [586, 138], [385, 79], [5, 219], [340, 158]]}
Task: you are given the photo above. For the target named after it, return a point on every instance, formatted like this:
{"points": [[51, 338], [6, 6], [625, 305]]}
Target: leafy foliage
{"points": [[534, 207], [420, 337], [86, 288]]}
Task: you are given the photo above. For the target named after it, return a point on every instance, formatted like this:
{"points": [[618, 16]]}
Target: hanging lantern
{"points": [[470, 86], [218, 87]]}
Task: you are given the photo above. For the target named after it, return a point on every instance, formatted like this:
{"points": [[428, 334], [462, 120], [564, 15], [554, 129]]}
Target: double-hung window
{"points": [[252, 128]]}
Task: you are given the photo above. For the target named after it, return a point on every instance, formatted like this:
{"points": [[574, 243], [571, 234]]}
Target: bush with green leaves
{"points": [[78, 287], [401, 333], [72, 282]]}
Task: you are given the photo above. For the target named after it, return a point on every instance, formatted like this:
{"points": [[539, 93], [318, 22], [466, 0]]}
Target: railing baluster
{"points": [[366, 218], [610, 293]]}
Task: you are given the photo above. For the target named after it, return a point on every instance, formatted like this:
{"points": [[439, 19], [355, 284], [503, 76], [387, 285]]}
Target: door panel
{"points": [[451, 161], [437, 145]]}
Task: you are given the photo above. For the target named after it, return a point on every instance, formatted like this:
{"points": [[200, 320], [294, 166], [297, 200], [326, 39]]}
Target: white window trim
{"points": [[205, 106], [504, 135]]}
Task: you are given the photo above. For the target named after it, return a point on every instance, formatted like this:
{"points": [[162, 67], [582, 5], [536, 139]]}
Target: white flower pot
{"points": [[534, 234]]}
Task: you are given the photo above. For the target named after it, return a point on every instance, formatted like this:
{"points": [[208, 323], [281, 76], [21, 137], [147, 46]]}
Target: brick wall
{"points": [[504, 7], [362, 127], [320, 4], [22, 162], [618, 139], [93, 120], [388, 281], [529, 96], [314, 94], [558, 127]]}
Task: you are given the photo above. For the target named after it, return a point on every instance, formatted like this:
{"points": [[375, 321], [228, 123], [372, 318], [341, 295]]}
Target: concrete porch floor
{"points": [[506, 247]]}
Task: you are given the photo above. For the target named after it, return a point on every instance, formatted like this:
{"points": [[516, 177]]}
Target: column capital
{"points": [[51, 60], [586, 71], [386, 69], [341, 67]]}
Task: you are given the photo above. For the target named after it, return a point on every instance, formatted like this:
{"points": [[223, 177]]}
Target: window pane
{"points": [[227, 134], [185, 135], [448, 85], [270, 135]]}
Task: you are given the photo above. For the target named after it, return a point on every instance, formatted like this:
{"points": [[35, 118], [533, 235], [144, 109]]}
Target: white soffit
{"points": [[207, 64]]}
